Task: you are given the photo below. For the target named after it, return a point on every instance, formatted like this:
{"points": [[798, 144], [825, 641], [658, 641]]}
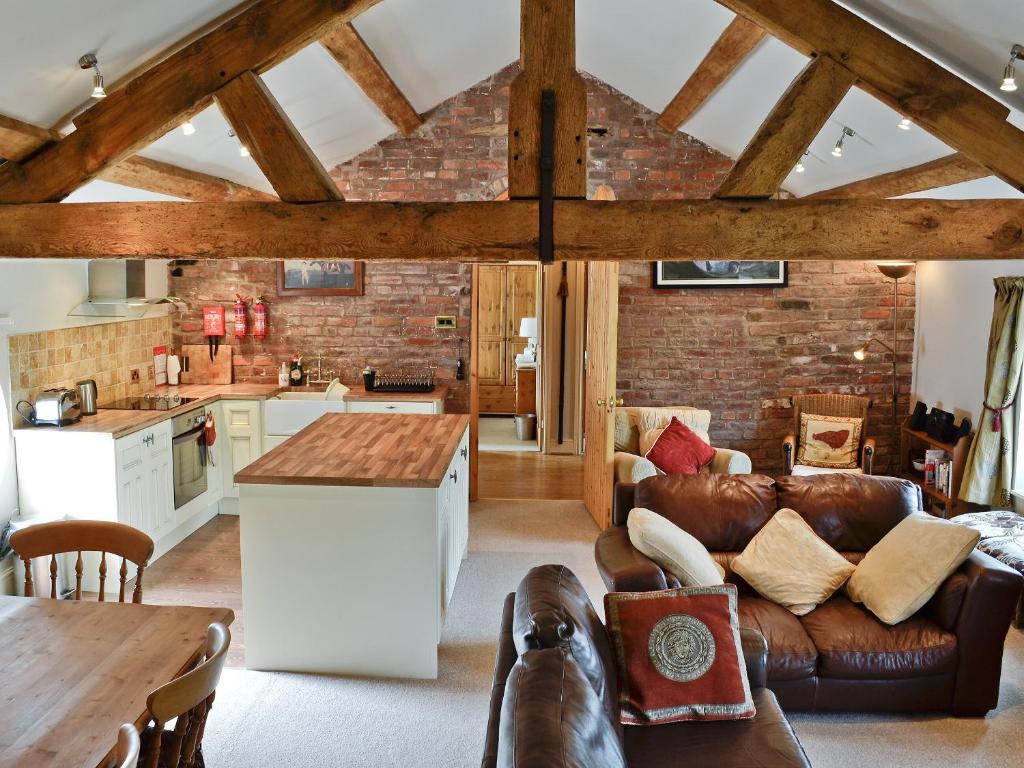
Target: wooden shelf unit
{"points": [[915, 440]]}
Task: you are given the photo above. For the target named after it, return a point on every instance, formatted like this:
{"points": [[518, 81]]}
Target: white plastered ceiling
{"points": [[434, 50]]}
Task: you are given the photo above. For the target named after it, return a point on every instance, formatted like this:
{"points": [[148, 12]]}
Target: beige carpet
{"points": [[264, 719]]}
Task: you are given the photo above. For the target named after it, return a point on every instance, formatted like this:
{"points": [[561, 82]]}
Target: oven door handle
{"points": [[192, 434]]}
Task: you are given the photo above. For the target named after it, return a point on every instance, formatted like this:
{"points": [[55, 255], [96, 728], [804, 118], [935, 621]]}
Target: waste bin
{"points": [[40, 565], [526, 426]]}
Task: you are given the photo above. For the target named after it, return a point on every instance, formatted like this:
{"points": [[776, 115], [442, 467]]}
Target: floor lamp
{"points": [[895, 270]]}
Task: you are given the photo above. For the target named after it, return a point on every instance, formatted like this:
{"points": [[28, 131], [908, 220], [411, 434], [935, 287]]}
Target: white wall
{"points": [[954, 315]]}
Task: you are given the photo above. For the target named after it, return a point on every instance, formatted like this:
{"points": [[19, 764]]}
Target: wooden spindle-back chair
{"points": [[52, 539], [128, 745], [188, 698]]}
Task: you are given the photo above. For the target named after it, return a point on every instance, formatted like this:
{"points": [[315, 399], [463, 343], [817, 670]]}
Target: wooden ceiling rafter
{"points": [[944, 172], [788, 130], [731, 49], [273, 141], [158, 99], [938, 101], [586, 230], [353, 55], [19, 140]]}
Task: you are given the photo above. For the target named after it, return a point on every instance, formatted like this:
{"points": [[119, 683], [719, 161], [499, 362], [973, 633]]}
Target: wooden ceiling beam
{"points": [[274, 143], [952, 169], [487, 231], [788, 130], [352, 53], [736, 43], [547, 63], [156, 101], [19, 139], [951, 109]]}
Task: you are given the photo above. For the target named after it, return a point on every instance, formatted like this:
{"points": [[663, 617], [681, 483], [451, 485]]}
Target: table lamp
{"points": [[528, 330]]}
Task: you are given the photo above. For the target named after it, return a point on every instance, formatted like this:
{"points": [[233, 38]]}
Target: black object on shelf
{"points": [[403, 382], [369, 379]]}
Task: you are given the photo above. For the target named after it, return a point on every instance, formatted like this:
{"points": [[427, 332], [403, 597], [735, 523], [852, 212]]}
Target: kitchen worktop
{"points": [[118, 423], [371, 450]]}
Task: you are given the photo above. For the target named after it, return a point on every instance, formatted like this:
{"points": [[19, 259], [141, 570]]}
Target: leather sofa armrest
{"points": [[788, 453], [988, 606], [503, 663], [755, 652], [622, 502], [622, 567], [867, 459], [730, 462]]}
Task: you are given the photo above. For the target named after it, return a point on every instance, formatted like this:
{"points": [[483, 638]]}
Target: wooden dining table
{"points": [[72, 672]]}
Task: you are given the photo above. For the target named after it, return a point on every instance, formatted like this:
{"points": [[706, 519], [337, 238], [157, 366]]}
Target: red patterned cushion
{"points": [[679, 655], [679, 451]]}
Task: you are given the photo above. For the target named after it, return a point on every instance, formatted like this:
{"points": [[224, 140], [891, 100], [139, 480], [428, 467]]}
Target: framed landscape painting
{"points": [[720, 274], [299, 277]]}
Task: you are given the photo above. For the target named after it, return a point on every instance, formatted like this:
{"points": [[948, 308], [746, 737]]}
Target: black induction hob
{"points": [[148, 403]]}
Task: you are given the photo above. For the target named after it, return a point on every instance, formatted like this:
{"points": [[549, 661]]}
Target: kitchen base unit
{"points": [[352, 536]]}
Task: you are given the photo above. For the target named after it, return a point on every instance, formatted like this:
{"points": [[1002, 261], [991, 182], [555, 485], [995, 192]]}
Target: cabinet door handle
{"points": [[390, 407], [454, 476], [464, 452]]}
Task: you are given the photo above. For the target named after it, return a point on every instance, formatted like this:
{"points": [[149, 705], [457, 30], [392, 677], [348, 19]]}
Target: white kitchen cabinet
{"points": [[395, 406], [453, 523], [145, 480], [240, 432]]}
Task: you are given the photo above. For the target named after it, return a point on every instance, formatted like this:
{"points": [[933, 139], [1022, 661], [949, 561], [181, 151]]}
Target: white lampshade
{"points": [[528, 328]]}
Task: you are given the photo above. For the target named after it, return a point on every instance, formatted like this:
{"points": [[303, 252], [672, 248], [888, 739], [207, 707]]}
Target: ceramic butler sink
{"points": [[289, 412]]}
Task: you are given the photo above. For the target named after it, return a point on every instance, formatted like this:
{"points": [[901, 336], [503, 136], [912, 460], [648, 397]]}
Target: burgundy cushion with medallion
{"points": [[679, 655], [679, 450]]}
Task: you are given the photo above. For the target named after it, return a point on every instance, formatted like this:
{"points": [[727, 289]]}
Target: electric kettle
{"points": [[87, 396]]}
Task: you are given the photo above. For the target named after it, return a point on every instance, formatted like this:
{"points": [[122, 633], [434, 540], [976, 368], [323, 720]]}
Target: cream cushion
{"points": [[789, 564], [902, 571], [676, 551], [631, 422]]}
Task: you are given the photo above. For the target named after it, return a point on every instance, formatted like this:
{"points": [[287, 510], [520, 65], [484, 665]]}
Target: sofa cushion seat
{"points": [[791, 653], [854, 645], [766, 740]]}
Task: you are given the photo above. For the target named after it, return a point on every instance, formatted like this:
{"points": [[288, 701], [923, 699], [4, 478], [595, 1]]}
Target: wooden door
{"points": [[490, 309], [600, 394]]}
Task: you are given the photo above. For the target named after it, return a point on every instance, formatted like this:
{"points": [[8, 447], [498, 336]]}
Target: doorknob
{"points": [[619, 402], [602, 403]]}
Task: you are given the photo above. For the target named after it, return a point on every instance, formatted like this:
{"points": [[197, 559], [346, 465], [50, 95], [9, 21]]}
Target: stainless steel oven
{"points": [[188, 441]]}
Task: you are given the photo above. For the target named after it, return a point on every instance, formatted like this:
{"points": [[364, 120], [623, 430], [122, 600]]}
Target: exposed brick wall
{"points": [[740, 353]]}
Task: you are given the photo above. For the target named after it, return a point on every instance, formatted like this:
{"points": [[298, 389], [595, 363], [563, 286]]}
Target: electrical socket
{"points": [[133, 376]]}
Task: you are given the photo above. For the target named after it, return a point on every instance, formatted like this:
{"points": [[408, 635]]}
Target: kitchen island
{"points": [[352, 535]]}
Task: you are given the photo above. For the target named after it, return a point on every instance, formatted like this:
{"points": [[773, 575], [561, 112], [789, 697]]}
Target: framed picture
{"points": [[299, 277], [720, 274]]}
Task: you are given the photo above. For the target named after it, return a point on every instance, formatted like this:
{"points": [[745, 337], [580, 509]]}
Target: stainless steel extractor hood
{"points": [[117, 288]]}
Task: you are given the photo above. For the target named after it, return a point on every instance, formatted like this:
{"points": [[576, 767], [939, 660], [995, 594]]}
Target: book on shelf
{"points": [[934, 460]]}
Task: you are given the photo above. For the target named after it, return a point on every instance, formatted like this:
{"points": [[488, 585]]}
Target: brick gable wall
{"points": [[740, 353]]}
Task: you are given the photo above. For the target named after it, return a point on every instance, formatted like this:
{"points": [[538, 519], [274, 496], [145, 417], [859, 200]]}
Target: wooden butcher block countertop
{"points": [[118, 423], [377, 450]]}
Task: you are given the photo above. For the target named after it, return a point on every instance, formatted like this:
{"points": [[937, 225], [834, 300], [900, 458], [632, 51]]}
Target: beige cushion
{"points": [[902, 571], [788, 563], [832, 442], [801, 471], [676, 551], [624, 432]]}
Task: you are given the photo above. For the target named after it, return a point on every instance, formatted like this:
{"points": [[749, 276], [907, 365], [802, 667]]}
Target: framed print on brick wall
{"points": [[720, 274], [300, 277]]}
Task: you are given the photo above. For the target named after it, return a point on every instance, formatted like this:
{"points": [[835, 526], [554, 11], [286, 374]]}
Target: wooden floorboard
{"points": [[205, 569]]}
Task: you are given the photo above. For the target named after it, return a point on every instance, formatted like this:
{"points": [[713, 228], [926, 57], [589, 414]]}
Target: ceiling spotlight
{"points": [[89, 61], [905, 124], [187, 128], [1009, 83], [838, 151], [800, 167], [243, 151]]}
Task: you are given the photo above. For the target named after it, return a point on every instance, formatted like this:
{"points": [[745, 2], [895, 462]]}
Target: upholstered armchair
{"points": [[843, 406], [631, 423]]}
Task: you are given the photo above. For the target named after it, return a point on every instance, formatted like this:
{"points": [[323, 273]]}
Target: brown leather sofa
{"points": [[554, 700], [839, 657]]}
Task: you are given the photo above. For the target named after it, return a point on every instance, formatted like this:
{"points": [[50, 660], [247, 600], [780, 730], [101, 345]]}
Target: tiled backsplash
{"points": [[106, 353]]}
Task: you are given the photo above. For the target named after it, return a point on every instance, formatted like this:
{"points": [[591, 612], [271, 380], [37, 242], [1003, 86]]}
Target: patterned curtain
{"points": [[988, 476]]}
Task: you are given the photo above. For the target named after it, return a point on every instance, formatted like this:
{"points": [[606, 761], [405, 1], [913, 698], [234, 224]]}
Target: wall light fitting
{"points": [[89, 61], [838, 151]]}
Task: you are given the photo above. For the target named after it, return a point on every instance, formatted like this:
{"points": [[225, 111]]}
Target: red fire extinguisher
{"points": [[241, 321], [259, 318]]}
